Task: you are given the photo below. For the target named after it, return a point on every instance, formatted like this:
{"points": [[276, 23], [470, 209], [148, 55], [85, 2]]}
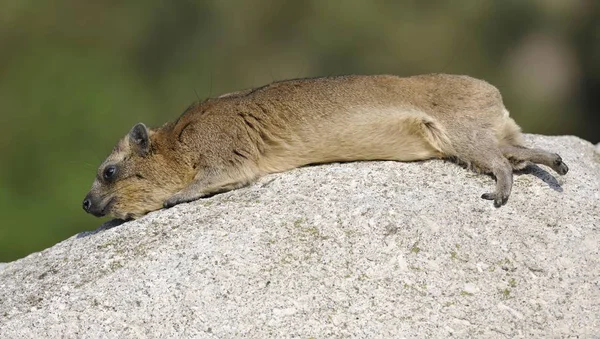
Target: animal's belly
{"points": [[376, 136]]}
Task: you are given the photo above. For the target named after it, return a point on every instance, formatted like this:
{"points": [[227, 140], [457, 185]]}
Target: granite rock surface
{"points": [[363, 250]]}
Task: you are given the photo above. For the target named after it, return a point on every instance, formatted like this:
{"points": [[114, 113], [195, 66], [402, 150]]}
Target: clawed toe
{"points": [[498, 200], [559, 166], [488, 196]]}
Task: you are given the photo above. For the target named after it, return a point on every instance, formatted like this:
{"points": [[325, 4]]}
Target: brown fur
{"points": [[227, 142]]}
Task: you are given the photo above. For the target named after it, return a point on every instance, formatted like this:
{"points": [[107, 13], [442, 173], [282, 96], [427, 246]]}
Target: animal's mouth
{"points": [[106, 209]]}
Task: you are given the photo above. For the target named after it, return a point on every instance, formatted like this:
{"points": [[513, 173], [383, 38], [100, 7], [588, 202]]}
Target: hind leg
{"points": [[496, 164], [520, 156], [488, 158]]}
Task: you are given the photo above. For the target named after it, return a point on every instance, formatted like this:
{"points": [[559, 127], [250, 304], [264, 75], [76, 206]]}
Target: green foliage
{"points": [[75, 76]]}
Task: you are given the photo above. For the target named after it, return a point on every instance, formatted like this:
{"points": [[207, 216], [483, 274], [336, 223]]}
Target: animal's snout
{"points": [[87, 204], [94, 206]]}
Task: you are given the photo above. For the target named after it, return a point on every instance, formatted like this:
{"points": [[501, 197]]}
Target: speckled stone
{"points": [[365, 250]]}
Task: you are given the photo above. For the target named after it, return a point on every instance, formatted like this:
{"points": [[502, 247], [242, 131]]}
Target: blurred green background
{"points": [[76, 75]]}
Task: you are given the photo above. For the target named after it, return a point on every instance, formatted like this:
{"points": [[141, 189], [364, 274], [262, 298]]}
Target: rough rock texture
{"points": [[366, 250]]}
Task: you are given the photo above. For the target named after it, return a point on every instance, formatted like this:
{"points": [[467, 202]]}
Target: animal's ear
{"points": [[139, 139]]}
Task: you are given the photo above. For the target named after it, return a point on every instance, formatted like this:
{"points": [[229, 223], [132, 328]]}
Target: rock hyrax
{"points": [[227, 142]]}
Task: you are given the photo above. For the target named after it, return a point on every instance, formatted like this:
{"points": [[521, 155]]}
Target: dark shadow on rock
{"points": [[543, 175], [532, 169], [105, 226]]}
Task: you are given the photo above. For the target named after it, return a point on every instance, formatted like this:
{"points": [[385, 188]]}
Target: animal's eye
{"points": [[109, 172]]}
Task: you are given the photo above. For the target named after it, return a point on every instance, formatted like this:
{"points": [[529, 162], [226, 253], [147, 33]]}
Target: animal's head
{"points": [[135, 179]]}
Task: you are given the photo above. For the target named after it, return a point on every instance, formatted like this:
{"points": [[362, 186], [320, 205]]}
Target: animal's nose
{"points": [[87, 204]]}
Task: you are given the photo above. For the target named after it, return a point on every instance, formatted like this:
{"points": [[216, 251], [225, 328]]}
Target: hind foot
{"points": [[499, 199], [559, 166], [504, 182], [519, 156]]}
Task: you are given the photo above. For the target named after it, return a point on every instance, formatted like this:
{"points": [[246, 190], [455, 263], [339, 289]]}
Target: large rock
{"points": [[369, 250]]}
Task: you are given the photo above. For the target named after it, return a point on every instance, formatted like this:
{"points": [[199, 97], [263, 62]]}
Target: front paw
{"points": [[176, 200]]}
